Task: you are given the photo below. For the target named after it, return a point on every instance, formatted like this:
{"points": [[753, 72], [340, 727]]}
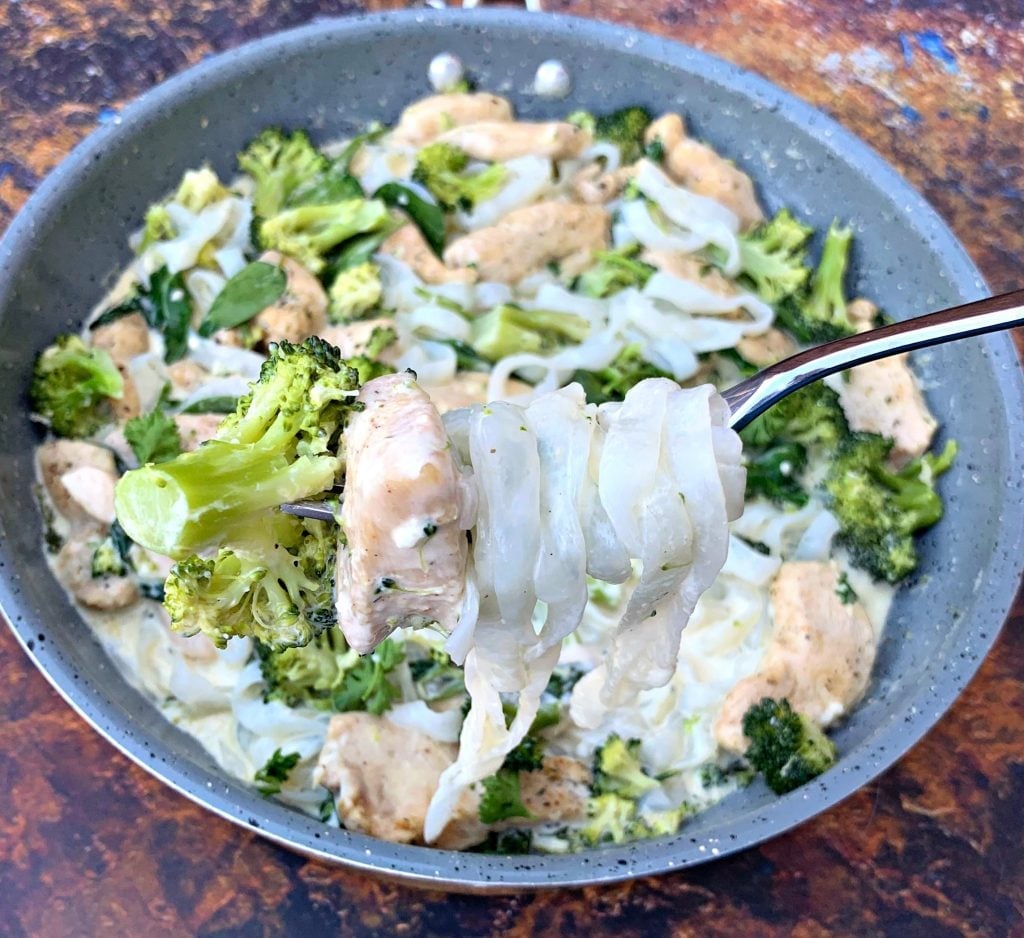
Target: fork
{"points": [[753, 396]]}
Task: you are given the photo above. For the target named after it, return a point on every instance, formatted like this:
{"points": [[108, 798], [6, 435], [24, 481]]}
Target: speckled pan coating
{"points": [[60, 254]]}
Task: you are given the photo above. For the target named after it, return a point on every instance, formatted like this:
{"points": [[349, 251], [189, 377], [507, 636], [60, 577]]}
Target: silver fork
{"points": [[752, 397]]}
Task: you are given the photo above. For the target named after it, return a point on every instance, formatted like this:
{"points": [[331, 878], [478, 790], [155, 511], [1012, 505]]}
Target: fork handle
{"points": [[756, 394]]}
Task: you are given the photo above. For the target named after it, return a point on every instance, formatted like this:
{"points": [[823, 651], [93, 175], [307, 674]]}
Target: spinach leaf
{"points": [[255, 287], [429, 218]]}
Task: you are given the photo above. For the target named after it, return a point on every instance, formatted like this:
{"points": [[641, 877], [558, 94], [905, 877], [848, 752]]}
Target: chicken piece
{"points": [[526, 239], [302, 309], [668, 129], [699, 168], [73, 567], [352, 337], [127, 405], [767, 348], [424, 120], [862, 313], [690, 267], [123, 338], [594, 186], [187, 375], [404, 563], [365, 760], [883, 397], [497, 141], [468, 388], [819, 655], [409, 246], [196, 429], [92, 474]]}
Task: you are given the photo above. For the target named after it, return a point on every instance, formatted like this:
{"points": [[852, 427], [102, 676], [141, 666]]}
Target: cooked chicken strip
{"points": [[528, 238], [862, 312], [497, 141], [187, 375], [594, 186], [692, 268], [767, 348], [423, 121], [351, 338], [366, 759], [404, 561], [123, 338], [409, 246], [819, 656], [302, 309], [699, 168], [74, 569], [58, 459], [884, 397], [196, 429]]}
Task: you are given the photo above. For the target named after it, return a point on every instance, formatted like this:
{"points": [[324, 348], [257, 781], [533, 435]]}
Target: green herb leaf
{"points": [[212, 405], [255, 287], [502, 798], [270, 778], [153, 437], [429, 218], [366, 685]]}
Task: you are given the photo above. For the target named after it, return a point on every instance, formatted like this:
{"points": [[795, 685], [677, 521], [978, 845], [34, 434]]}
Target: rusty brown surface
{"points": [[90, 843]]}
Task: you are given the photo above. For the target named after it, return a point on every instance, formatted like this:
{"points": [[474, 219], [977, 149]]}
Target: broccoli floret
{"points": [[502, 798], [772, 256], [442, 169], [72, 386], [610, 819], [879, 510], [786, 747], [158, 226], [308, 675], [509, 329], [280, 445], [617, 769], [279, 163], [614, 271], [820, 315], [199, 188], [355, 292], [624, 127], [775, 474], [612, 382], [107, 560], [309, 232], [276, 585], [811, 416]]}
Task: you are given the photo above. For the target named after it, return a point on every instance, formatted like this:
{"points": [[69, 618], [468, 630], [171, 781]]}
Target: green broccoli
{"points": [[309, 232], [611, 819], [441, 169], [107, 560], [199, 188], [307, 675], [280, 445], [368, 365], [509, 329], [775, 474], [772, 256], [879, 510], [157, 226], [811, 416], [354, 292], [366, 685], [276, 584], [786, 747], [615, 270], [612, 382], [72, 386], [502, 798], [820, 314], [280, 163], [617, 769], [624, 127]]}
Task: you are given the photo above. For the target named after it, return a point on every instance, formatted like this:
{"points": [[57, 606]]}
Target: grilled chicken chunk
{"points": [[526, 239], [819, 656], [410, 247], [425, 120], [79, 478], [497, 141], [405, 557], [384, 776], [302, 309]]}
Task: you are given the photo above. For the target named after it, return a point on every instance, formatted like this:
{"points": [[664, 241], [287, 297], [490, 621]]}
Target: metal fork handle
{"points": [[756, 394]]}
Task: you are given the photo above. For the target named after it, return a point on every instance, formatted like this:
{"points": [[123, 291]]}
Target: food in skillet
{"points": [[541, 593]]}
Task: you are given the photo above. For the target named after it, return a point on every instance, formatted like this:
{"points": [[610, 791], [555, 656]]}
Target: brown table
{"points": [[89, 842]]}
